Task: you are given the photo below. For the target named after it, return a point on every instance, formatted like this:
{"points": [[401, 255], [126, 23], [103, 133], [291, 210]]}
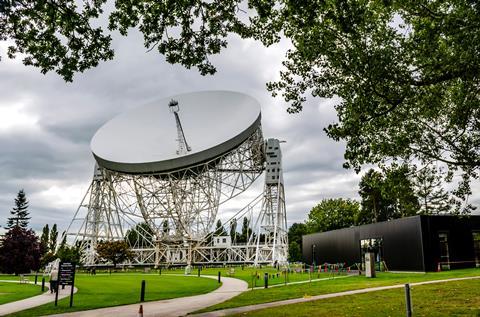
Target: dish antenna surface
{"points": [[146, 139]]}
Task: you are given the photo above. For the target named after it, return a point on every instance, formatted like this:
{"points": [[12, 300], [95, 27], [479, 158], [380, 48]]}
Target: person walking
{"points": [[54, 280]]}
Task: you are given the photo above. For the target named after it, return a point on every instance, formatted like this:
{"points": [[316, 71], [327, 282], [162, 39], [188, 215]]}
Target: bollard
{"points": [[140, 311], [219, 274], [36, 278], [198, 271], [43, 285], [265, 280], [408, 300], [142, 292]]}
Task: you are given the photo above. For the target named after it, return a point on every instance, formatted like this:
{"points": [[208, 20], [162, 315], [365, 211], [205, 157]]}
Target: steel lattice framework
{"points": [[180, 207]]}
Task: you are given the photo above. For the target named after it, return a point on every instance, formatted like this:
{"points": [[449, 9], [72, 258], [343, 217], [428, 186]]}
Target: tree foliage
{"points": [[140, 236], [20, 251], [114, 251], [53, 238], [44, 239], [387, 196], [69, 253], [220, 229], [432, 197], [294, 251], [406, 72], [374, 203], [19, 214], [165, 228], [399, 188], [61, 36], [331, 214], [246, 231], [233, 230], [295, 233], [55, 35]]}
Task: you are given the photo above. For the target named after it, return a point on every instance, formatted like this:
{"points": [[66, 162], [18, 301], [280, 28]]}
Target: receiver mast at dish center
{"points": [[169, 202]]}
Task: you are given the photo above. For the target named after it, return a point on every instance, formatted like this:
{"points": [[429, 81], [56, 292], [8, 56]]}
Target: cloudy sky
{"points": [[46, 126]]}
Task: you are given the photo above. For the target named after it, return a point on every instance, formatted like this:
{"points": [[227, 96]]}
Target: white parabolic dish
{"points": [[144, 139]]}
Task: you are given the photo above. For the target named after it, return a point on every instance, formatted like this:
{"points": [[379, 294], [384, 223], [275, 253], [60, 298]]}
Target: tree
{"points": [[295, 233], [246, 231], [331, 214], [432, 196], [63, 243], [399, 188], [60, 36], [55, 35], [114, 251], [68, 253], [19, 213], [406, 74], [44, 239], [374, 205], [220, 230], [166, 227], [294, 252], [233, 230], [53, 238], [140, 236], [387, 196], [20, 251]]}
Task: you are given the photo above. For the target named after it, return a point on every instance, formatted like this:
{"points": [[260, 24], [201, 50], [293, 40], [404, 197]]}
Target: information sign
{"points": [[66, 273], [66, 276]]}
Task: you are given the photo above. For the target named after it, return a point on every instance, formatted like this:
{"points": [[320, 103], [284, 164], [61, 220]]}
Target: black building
{"points": [[417, 243]]}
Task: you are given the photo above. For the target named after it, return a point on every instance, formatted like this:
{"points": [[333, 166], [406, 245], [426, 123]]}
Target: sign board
{"points": [[66, 276], [66, 273]]}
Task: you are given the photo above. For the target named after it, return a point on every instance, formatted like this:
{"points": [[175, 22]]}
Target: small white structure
{"points": [[222, 241], [55, 264]]}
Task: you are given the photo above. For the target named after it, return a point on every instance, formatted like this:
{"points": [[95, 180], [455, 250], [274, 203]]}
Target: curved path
{"points": [[243, 309], [172, 307], [33, 301]]}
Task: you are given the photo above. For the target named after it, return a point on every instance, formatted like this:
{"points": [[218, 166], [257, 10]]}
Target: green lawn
{"points": [[255, 276], [335, 285], [10, 292], [105, 290], [460, 298]]}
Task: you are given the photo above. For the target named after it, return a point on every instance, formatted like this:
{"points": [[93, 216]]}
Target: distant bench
{"points": [[24, 279]]}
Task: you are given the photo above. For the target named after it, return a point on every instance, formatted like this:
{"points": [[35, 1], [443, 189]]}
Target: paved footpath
{"points": [[244, 309], [172, 307], [33, 301]]}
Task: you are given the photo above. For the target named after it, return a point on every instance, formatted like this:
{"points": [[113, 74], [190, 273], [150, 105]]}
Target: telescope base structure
{"points": [[167, 218], [172, 255]]}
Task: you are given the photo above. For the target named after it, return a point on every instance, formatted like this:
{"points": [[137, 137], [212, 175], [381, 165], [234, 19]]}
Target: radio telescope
{"points": [[162, 171]]}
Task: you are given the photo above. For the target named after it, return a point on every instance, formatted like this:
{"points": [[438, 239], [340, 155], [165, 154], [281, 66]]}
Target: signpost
{"points": [[66, 276]]}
